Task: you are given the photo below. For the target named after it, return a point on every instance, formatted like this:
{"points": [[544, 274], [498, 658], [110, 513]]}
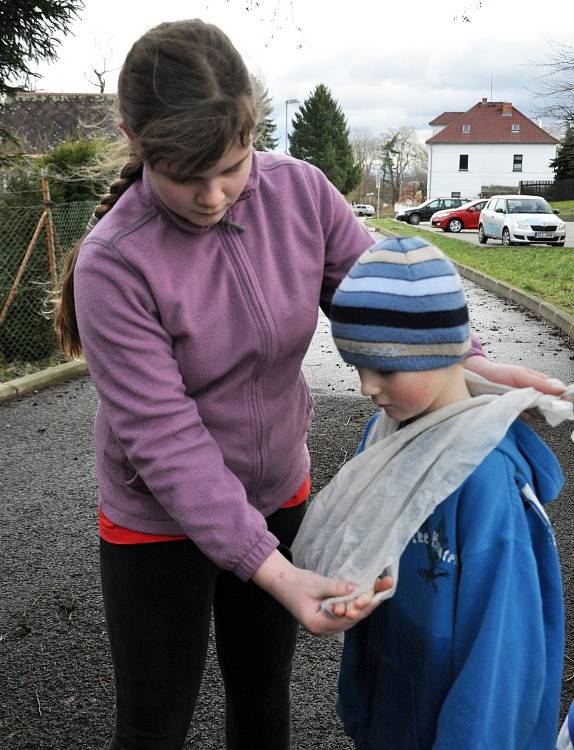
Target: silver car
{"points": [[363, 209], [520, 220]]}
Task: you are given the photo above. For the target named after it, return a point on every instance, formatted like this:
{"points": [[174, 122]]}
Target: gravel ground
{"points": [[57, 686]]}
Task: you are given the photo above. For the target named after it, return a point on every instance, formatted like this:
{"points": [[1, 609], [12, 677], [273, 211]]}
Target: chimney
{"points": [[506, 109], [484, 100]]}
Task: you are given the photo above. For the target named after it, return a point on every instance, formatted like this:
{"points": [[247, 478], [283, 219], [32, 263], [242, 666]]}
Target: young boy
{"points": [[468, 651]]}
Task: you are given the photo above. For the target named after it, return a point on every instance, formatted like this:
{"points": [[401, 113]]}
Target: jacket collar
{"points": [[152, 198]]}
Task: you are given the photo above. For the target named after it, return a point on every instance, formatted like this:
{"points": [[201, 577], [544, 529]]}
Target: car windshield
{"points": [[528, 206]]}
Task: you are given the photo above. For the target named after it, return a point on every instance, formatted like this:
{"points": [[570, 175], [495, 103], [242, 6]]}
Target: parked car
{"points": [[463, 217], [428, 208], [363, 209], [520, 219]]}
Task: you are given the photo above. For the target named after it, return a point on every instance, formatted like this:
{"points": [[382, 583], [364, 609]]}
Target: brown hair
{"points": [[185, 95]]}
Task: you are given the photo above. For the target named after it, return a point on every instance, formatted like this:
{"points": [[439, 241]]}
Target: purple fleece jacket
{"points": [[194, 338]]}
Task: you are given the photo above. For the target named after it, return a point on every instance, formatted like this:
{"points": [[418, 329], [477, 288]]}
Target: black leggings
{"points": [[158, 599]]}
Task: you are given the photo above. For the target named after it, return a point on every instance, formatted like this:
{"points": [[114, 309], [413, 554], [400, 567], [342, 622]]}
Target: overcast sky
{"points": [[387, 63]]}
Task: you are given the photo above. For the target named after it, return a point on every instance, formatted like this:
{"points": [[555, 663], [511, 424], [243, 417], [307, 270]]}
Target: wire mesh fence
{"points": [[33, 243]]}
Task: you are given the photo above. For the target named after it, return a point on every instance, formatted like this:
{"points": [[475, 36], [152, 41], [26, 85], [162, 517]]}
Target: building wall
{"points": [[488, 164]]}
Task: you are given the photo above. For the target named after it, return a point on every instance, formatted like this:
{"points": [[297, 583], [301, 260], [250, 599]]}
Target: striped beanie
{"points": [[401, 307]]}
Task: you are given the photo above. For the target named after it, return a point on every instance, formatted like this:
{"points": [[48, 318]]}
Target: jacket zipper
{"points": [[246, 273]]}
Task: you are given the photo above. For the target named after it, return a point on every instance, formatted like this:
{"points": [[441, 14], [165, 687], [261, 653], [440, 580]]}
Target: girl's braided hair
{"points": [[185, 96]]}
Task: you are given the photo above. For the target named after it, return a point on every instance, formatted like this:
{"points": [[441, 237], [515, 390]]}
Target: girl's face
{"points": [[404, 395], [204, 198]]}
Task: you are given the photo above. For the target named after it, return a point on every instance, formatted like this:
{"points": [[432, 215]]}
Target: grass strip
{"points": [[566, 209], [546, 272]]}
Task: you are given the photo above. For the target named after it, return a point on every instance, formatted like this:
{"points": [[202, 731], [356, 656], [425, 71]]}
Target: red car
{"points": [[463, 217]]}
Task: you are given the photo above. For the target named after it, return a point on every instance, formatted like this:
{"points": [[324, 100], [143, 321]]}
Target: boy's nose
{"points": [[369, 389], [369, 384]]}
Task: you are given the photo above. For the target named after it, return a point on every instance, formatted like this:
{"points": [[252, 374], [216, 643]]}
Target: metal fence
{"points": [[554, 190], [33, 243]]}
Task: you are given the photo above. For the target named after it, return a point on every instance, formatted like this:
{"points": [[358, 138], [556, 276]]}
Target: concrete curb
{"points": [[41, 379], [544, 310]]}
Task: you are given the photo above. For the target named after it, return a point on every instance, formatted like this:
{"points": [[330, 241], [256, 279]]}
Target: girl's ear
{"points": [[125, 130]]}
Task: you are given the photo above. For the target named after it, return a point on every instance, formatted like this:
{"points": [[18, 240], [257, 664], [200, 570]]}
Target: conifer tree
{"points": [[320, 136], [264, 136], [29, 33], [563, 164]]}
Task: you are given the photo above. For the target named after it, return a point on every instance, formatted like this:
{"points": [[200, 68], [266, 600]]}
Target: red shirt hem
{"points": [[114, 534]]}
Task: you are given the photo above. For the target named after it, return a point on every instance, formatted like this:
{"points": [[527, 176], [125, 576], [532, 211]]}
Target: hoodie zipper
{"points": [[256, 304]]}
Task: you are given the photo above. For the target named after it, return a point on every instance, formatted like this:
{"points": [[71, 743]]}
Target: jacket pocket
{"points": [[131, 477], [392, 722]]}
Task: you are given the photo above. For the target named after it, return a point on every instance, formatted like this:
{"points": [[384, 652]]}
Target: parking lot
{"points": [[471, 235]]}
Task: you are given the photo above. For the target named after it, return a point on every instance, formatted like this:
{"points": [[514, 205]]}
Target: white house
{"points": [[490, 144]]}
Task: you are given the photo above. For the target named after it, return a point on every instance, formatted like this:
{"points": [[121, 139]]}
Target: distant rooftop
{"points": [[445, 118], [489, 122], [42, 120]]}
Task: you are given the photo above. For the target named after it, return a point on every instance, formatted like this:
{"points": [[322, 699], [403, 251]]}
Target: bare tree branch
{"points": [[556, 84]]}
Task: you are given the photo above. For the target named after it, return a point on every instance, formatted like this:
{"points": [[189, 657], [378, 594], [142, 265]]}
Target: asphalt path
{"points": [[56, 691]]}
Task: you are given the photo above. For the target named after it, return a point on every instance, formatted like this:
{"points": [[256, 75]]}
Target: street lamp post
{"points": [[287, 103]]}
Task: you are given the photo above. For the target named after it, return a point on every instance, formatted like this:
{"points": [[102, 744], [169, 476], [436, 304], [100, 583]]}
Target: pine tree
{"points": [[563, 164], [321, 137], [264, 135], [29, 33]]}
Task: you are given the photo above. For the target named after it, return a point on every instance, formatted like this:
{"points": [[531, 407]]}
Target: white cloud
{"points": [[387, 65]]}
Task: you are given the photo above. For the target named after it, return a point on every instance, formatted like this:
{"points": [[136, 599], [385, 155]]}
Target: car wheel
{"points": [[482, 238], [455, 225], [506, 241], [414, 219], [558, 244]]}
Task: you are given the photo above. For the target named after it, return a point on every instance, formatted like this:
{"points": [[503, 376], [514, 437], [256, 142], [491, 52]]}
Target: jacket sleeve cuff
{"points": [[253, 560], [475, 348]]}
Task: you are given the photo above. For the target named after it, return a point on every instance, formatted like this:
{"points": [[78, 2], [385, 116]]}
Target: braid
{"points": [[63, 299], [129, 173]]}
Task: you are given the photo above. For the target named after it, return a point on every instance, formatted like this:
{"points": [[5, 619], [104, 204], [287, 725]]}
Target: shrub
{"points": [[78, 172]]}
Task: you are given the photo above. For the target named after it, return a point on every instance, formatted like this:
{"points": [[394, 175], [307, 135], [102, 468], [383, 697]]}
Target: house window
{"points": [[463, 163], [466, 128], [515, 127], [517, 163], [455, 195]]}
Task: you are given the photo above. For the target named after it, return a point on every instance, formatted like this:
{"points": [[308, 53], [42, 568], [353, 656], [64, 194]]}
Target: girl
{"points": [[194, 301]]}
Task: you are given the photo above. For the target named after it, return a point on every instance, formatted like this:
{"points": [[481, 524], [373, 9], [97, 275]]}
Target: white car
{"points": [[363, 209], [520, 220]]}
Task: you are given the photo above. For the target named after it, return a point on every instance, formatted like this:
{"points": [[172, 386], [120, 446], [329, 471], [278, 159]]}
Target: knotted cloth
{"points": [[359, 524]]}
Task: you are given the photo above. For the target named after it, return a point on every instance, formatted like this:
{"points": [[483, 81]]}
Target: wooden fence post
{"points": [[49, 226], [28, 253]]}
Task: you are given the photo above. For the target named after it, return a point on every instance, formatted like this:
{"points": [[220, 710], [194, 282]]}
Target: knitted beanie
{"points": [[401, 307]]}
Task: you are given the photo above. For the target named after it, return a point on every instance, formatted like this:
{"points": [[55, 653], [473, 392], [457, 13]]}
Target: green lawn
{"points": [[566, 209], [546, 272]]}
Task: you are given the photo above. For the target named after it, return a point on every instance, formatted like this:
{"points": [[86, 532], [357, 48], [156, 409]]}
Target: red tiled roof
{"points": [[488, 124], [445, 118], [42, 120]]}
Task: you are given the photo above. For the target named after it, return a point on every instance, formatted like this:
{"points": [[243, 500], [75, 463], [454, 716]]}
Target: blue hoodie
{"points": [[468, 653]]}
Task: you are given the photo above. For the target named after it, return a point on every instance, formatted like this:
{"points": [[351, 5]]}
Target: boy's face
{"points": [[404, 395]]}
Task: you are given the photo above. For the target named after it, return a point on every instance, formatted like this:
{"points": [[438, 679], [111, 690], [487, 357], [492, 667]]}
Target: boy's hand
{"points": [[353, 609], [302, 591]]}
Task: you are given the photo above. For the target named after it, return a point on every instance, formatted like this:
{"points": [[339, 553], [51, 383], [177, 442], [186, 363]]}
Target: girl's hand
{"points": [[514, 375], [301, 592]]}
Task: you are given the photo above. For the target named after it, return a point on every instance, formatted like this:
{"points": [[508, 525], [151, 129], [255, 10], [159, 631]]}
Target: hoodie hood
{"points": [[534, 461]]}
